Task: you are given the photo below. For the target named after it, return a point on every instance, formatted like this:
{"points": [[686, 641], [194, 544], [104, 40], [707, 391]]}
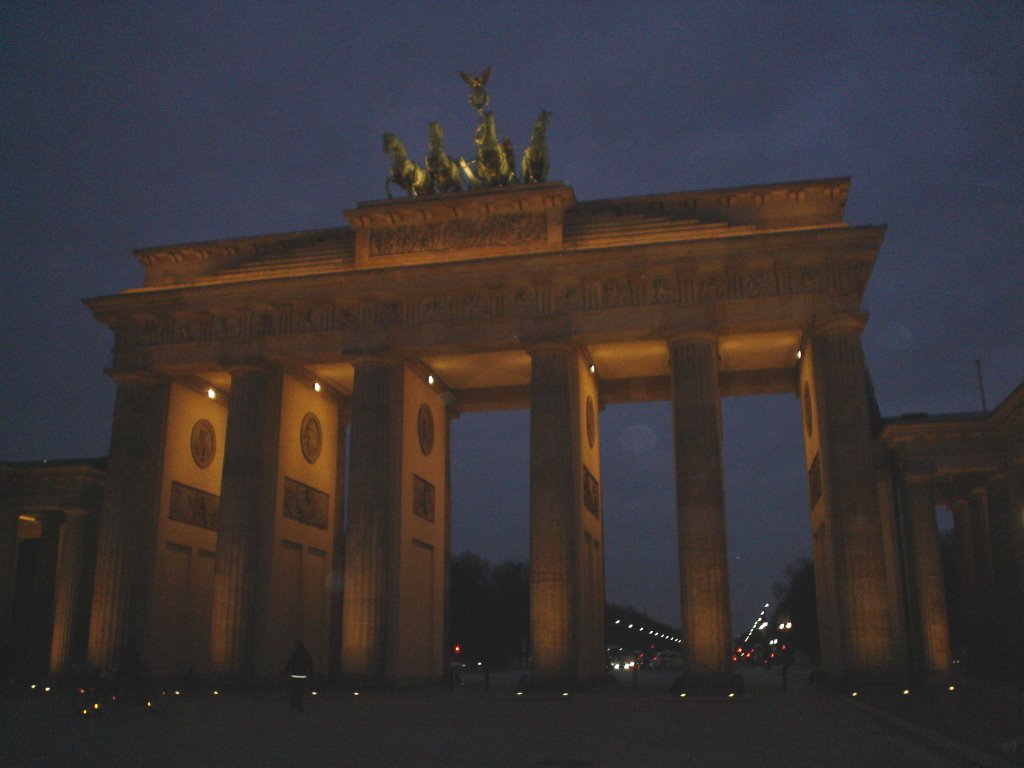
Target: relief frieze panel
{"points": [[459, 234], [193, 506], [663, 289], [305, 504]]}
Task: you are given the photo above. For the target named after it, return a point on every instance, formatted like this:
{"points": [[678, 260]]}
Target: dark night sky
{"points": [[139, 124]]}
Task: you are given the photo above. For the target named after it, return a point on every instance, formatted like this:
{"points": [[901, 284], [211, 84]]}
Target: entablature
{"points": [[760, 280]]}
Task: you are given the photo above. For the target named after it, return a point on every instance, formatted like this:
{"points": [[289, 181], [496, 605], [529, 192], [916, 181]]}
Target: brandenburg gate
{"points": [[243, 365]]}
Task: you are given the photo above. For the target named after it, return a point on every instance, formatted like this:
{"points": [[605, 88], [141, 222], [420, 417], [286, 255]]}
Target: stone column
{"points": [[859, 617], [70, 592], [985, 653], [373, 511], [966, 583], [450, 415], [245, 519], [44, 589], [338, 544], [927, 591], [128, 519], [700, 509], [1006, 525], [554, 526]]}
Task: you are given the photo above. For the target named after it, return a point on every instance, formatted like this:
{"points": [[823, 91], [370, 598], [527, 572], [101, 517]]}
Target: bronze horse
{"points": [[492, 167], [442, 170], [535, 157], [404, 172]]}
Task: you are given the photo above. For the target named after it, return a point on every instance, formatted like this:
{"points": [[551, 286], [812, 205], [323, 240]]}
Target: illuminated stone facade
{"points": [[241, 365]]}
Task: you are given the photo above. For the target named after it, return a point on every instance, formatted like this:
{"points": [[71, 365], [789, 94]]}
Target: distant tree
{"points": [[796, 602], [489, 613]]}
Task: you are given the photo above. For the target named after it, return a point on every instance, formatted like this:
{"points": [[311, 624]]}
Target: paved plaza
{"points": [[615, 725]]}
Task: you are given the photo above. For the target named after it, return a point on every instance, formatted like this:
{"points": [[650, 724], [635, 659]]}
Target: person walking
{"points": [[300, 671]]}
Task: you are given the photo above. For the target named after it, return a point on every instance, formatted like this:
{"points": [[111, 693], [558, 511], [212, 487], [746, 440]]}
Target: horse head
{"points": [[392, 143]]}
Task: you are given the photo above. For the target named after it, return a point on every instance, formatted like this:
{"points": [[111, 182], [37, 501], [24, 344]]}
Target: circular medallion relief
{"points": [[808, 410], [310, 437], [591, 421], [204, 443], [425, 428]]}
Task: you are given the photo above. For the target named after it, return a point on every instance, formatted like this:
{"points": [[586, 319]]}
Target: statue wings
{"points": [[476, 81]]}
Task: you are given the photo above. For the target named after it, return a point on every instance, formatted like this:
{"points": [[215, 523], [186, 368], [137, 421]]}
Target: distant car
{"points": [[668, 660], [626, 660]]}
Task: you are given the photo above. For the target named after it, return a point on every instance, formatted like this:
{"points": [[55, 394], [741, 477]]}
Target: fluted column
{"points": [[924, 574], [861, 608], [44, 589], [1006, 528], [966, 582], [245, 518], [338, 545], [373, 513], [553, 515], [70, 592], [985, 653], [700, 509], [128, 519]]}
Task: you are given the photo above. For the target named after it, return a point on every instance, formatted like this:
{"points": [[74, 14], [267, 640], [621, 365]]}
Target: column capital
{"points": [[689, 337], [237, 369], [376, 358], [547, 347], [51, 517], [847, 322]]}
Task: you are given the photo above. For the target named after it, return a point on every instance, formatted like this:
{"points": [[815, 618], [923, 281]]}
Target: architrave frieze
{"points": [[775, 280]]}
